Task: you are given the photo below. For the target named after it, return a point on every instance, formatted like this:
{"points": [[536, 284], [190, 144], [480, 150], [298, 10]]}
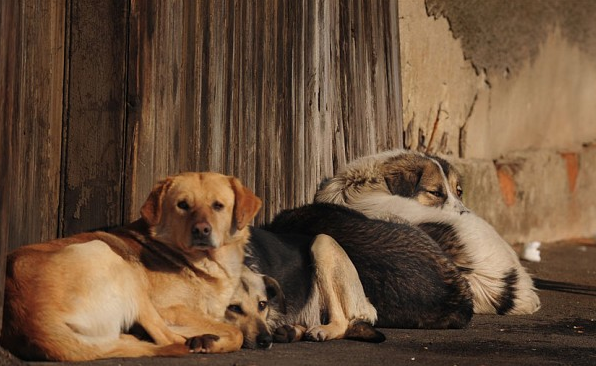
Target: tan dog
{"points": [[250, 308], [173, 272]]}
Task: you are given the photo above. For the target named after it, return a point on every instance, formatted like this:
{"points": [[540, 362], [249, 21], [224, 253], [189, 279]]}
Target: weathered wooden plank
{"points": [[243, 108], [160, 120], [93, 162], [320, 94], [35, 109], [385, 58], [10, 70], [140, 126], [278, 93]]}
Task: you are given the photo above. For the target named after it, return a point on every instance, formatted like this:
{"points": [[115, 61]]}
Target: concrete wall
{"points": [[507, 90]]}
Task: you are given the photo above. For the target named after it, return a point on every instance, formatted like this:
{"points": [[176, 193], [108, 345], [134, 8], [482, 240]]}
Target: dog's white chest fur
{"points": [[101, 300]]}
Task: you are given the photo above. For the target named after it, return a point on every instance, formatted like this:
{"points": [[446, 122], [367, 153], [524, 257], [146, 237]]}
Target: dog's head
{"points": [[255, 299], [430, 180], [199, 211]]}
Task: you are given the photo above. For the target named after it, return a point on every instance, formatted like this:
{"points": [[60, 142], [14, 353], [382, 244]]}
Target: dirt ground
{"points": [[563, 332]]}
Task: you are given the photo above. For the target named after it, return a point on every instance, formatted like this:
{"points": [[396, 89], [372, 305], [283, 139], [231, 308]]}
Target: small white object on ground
{"points": [[531, 251]]}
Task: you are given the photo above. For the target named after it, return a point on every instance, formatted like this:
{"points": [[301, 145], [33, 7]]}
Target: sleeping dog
{"points": [[425, 190], [341, 271], [172, 272]]}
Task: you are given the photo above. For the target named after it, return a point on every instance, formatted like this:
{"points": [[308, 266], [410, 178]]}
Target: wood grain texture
{"points": [[10, 69], [34, 110], [159, 139], [95, 124], [280, 94]]}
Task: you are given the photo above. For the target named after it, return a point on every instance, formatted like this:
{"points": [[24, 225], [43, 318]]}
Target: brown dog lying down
{"points": [[172, 272]]}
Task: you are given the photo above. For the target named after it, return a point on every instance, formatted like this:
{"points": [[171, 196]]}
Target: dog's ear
{"points": [[151, 209], [246, 206], [402, 175], [403, 182], [274, 292]]}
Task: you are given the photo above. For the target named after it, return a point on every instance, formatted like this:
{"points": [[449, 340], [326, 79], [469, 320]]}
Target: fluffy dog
{"points": [[172, 272], [341, 272], [425, 190]]}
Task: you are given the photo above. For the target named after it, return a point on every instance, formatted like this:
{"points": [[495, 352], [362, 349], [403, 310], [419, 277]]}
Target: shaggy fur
{"points": [[424, 190], [404, 274]]}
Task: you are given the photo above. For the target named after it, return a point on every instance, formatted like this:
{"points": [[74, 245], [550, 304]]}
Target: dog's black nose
{"points": [[201, 230], [264, 340]]}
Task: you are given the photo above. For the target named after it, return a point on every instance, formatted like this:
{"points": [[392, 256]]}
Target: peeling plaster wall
{"points": [[481, 79], [549, 103], [439, 86], [507, 89]]}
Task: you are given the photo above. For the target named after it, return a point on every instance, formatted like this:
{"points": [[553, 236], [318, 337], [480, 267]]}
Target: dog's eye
{"points": [[436, 193], [235, 309], [459, 191], [217, 206], [262, 305], [183, 205]]}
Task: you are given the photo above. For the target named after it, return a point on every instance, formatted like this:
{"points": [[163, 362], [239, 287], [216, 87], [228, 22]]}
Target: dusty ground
{"points": [[563, 332]]}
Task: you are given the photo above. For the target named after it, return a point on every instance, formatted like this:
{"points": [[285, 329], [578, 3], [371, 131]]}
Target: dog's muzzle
{"points": [[201, 235], [264, 340], [460, 207]]}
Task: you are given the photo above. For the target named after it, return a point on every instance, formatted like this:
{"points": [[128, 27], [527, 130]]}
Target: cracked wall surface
{"points": [[507, 90], [481, 79]]}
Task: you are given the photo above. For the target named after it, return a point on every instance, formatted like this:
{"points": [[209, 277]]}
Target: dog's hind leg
{"points": [[341, 291], [129, 346], [155, 326]]}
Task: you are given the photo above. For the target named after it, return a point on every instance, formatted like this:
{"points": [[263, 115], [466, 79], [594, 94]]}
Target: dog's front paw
{"points": [[316, 334], [201, 344], [284, 334], [287, 333], [325, 332]]}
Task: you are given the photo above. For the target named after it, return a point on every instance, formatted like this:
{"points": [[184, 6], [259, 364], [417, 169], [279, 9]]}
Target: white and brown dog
{"points": [[172, 272], [425, 190]]}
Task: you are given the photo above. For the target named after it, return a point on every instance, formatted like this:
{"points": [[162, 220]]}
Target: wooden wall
{"points": [[32, 64], [104, 98], [100, 99], [279, 93]]}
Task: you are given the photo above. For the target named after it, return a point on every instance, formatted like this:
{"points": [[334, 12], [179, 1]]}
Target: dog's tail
{"points": [[332, 190], [360, 330], [573, 288]]}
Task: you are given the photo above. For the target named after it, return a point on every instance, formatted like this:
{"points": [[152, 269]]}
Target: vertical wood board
{"points": [[95, 129], [279, 93], [36, 120], [10, 69]]}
